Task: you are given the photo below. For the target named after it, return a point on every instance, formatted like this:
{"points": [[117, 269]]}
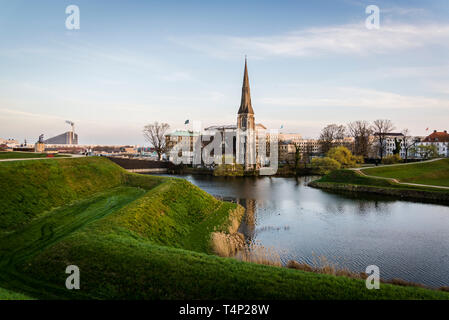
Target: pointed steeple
{"points": [[245, 104]]}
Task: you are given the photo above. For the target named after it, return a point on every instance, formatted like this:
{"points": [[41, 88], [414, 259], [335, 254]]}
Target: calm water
{"points": [[406, 240]]}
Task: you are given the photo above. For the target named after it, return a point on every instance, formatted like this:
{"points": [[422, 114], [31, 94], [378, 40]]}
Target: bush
{"points": [[343, 156], [392, 159], [324, 166]]}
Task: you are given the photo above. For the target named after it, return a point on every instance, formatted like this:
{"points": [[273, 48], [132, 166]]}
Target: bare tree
{"points": [[361, 132], [330, 136], [381, 128], [408, 142], [155, 134]]}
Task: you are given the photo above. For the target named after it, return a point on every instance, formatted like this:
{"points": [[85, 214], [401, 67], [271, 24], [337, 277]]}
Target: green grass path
{"points": [[426, 173], [22, 245]]}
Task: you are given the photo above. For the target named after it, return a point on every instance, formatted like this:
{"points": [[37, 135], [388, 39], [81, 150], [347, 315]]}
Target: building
{"points": [[293, 137], [246, 127], [389, 144], [438, 139], [307, 148], [69, 137], [10, 143], [181, 145]]}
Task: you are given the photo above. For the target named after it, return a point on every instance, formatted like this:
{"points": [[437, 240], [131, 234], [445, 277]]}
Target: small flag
{"points": [[187, 122]]}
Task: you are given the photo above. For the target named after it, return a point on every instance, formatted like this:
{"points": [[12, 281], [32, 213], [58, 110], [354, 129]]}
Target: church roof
{"points": [[245, 104]]}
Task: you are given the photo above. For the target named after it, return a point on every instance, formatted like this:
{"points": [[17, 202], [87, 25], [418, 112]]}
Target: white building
{"points": [[438, 139]]}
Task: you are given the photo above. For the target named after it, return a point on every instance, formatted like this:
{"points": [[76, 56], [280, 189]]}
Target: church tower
{"points": [[246, 127]]}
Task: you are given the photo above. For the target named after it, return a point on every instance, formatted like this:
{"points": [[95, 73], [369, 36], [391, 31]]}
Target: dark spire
{"points": [[245, 104]]}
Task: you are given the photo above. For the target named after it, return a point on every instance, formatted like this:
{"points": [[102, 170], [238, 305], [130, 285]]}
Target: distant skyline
{"points": [[135, 62]]}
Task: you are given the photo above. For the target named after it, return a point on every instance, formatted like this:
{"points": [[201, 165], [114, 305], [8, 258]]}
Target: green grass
{"points": [[350, 177], [137, 237], [429, 173], [31, 188], [25, 155], [11, 295]]}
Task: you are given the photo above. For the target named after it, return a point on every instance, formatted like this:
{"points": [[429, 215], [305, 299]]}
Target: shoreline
{"points": [[400, 194]]}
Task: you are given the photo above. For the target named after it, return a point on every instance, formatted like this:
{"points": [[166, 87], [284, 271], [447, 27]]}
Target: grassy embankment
{"points": [[431, 173], [136, 237], [25, 155]]}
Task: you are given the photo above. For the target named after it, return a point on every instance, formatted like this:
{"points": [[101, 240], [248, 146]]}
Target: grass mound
{"points": [[29, 188], [139, 237], [429, 173]]}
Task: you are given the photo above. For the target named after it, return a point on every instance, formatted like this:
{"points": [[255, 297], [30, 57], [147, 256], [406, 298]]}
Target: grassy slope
{"points": [[350, 177], [430, 173], [29, 188], [10, 295], [129, 239], [24, 155]]}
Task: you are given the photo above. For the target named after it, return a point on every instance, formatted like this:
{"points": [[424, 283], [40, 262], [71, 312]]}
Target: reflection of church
{"points": [[248, 224]]}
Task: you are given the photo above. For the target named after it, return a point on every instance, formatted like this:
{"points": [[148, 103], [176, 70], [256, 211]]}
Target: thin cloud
{"points": [[353, 39], [358, 98]]}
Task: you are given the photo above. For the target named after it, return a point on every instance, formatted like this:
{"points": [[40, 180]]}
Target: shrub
{"points": [[324, 165], [392, 159], [343, 156]]}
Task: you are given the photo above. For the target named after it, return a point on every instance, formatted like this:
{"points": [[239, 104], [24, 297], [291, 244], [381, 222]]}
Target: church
{"points": [[246, 132], [242, 138]]}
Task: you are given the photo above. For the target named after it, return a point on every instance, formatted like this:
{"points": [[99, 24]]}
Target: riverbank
{"points": [[352, 181], [137, 237]]}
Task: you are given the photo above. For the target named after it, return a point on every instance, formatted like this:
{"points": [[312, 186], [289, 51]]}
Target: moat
{"points": [[407, 240]]}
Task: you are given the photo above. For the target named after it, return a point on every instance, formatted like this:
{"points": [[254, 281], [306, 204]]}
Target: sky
{"points": [[311, 63]]}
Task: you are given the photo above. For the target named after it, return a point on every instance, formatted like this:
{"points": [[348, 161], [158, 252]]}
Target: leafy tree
{"points": [[344, 157], [397, 146], [324, 165], [392, 159], [428, 152]]}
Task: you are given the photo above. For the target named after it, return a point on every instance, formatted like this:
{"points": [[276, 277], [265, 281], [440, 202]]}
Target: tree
{"points": [[428, 151], [408, 142], [361, 132], [343, 156], [297, 156], [397, 147], [381, 128], [324, 165], [155, 135], [331, 136]]}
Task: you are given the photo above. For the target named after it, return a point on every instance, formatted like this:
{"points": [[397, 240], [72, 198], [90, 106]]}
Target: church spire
{"points": [[245, 104]]}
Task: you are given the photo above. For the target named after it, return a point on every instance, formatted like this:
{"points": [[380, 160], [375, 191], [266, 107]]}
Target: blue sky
{"points": [[131, 63]]}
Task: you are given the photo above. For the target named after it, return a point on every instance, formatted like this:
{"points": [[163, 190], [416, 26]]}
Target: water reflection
{"points": [[405, 239]]}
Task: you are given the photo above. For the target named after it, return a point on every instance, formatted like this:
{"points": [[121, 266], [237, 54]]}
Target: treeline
{"points": [[368, 139]]}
